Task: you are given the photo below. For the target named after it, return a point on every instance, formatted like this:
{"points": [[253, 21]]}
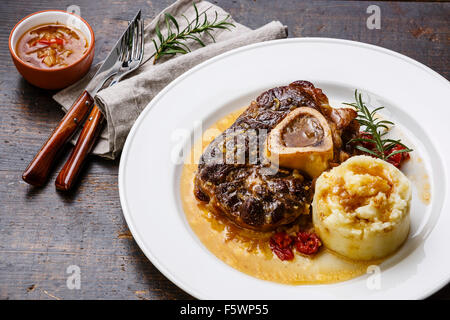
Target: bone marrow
{"points": [[302, 132], [302, 141]]}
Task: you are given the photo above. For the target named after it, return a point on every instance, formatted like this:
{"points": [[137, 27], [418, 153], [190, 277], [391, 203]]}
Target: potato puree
{"points": [[361, 208], [252, 255]]}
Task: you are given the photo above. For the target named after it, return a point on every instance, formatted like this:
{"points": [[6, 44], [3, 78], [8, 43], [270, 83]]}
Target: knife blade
{"points": [[38, 170]]}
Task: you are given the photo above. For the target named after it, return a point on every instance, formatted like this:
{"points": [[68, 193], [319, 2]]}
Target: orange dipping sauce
{"points": [[51, 46]]}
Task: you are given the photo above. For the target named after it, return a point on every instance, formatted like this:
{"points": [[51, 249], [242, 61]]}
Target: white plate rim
{"points": [[128, 216]]}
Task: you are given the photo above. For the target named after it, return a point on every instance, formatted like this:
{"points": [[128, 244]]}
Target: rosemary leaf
{"points": [[173, 20], [171, 43], [376, 129], [363, 149]]}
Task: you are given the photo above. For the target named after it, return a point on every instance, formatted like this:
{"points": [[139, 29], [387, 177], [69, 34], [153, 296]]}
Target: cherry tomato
{"points": [[307, 243], [281, 245]]}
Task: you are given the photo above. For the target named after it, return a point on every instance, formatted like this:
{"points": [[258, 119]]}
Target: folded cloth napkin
{"points": [[123, 102]]}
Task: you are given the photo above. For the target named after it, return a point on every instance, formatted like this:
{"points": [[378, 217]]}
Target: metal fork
{"points": [[131, 54], [132, 50]]}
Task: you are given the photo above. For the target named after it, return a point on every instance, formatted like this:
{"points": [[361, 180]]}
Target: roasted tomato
{"points": [[307, 243], [397, 159], [281, 245]]}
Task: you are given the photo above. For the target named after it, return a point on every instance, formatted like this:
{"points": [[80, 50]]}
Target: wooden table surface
{"points": [[43, 232]]}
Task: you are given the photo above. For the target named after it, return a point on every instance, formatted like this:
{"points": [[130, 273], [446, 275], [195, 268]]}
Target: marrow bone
{"points": [[303, 141]]}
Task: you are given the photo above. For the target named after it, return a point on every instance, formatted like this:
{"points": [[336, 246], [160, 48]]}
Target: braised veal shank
{"points": [[238, 181]]}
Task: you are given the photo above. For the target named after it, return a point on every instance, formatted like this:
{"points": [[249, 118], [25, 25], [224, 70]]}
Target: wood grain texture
{"points": [[42, 231], [77, 158]]}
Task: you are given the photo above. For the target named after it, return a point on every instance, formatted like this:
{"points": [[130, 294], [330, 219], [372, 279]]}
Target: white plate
{"points": [[416, 97]]}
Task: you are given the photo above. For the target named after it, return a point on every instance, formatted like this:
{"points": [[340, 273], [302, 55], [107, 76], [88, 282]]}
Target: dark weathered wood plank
{"points": [[42, 232]]}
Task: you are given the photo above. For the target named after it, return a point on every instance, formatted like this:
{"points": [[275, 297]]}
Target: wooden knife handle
{"points": [[86, 140], [39, 168]]}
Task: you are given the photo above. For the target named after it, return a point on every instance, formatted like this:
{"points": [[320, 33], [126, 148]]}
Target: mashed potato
{"points": [[361, 208]]}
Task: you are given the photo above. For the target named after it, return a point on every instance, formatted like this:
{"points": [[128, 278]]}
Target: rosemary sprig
{"points": [[376, 129], [172, 44]]}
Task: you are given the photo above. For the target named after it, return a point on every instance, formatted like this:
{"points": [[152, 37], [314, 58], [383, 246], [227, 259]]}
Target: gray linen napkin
{"points": [[123, 102]]}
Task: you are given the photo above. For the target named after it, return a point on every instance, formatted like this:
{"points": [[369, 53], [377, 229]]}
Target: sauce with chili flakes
{"points": [[299, 258], [51, 46]]}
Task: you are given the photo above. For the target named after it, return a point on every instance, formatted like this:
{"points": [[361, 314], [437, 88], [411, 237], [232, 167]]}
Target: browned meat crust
{"points": [[243, 188]]}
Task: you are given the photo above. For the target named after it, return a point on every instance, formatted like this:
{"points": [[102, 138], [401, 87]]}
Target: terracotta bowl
{"points": [[56, 78]]}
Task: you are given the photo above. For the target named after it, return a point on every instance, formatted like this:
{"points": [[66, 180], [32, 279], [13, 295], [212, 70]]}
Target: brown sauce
{"points": [[351, 203], [51, 46], [248, 251]]}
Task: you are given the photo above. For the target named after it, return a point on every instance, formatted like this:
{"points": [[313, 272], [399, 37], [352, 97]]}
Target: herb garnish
{"points": [[374, 131], [172, 44]]}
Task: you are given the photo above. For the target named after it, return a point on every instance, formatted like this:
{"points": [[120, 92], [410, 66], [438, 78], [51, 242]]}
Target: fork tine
{"points": [[137, 47], [124, 46], [141, 40], [130, 37], [133, 49], [135, 39]]}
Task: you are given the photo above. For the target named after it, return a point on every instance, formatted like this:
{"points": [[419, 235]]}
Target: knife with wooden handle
{"points": [[86, 141], [38, 170]]}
